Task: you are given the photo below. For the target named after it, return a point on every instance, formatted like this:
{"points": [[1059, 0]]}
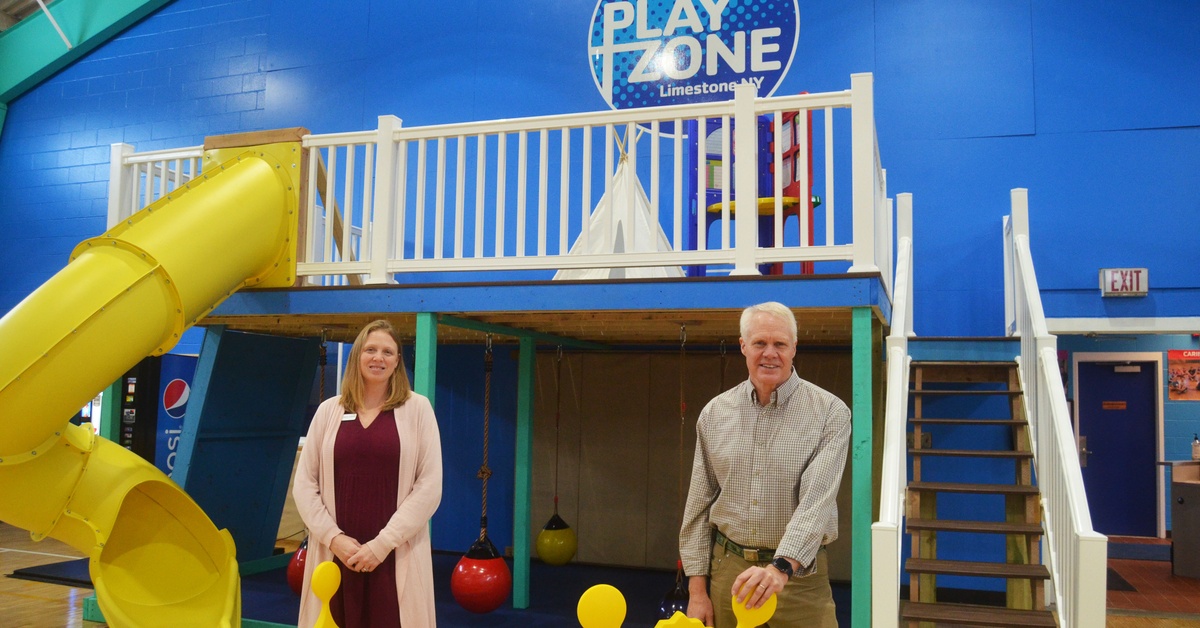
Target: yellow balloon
{"points": [[679, 620], [752, 618], [326, 579], [601, 606]]}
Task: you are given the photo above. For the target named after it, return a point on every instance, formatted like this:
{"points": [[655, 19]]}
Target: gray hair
{"points": [[772, 308]]}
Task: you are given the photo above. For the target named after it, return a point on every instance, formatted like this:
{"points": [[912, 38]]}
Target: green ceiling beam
{"points": [[32, 51]]}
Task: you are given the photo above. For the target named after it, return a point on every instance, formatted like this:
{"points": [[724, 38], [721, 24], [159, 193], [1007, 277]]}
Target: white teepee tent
{"points": [[613, 229]]}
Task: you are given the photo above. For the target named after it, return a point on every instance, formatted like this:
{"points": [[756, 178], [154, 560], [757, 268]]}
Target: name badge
{"points": [[349, 417]]}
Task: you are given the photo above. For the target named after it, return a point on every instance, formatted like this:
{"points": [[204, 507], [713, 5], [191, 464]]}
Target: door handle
{"points": [[1084, 452]]}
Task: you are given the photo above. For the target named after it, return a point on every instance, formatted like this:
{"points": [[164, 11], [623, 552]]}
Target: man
{"points": [[762, 502]]}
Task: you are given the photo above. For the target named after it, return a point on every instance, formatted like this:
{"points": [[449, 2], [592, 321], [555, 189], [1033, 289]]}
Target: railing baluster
{"points": [[399, 177], [564, 190], [609, 136], [655, 157], [585, 206], [439, 201], [369, 151], [830, 214], [501, 175], [330, 205], [419, 205], [629, 233], [522, 189], [480, 191], [460, 190], [348, 205], [677, 185], [803, 172], [543, 188], [701, 183]]}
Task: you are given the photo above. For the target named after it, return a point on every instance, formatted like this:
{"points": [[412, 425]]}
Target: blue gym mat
{"points": [[554, 594]]}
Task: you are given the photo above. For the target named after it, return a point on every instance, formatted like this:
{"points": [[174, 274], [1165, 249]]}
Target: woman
{"points": [[369, 479]]}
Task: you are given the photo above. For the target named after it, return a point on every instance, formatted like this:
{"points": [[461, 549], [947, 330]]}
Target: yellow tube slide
{"points": [[155, 558]]}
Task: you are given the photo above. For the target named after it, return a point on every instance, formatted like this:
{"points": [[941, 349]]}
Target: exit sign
{"points": [[1124, 282]]}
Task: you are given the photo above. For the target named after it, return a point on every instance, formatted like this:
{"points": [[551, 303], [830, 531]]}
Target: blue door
{"points": [[1117, 428]]}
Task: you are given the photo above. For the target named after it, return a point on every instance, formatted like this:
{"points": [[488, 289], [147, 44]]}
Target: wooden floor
{"points": [[1161, 601]]}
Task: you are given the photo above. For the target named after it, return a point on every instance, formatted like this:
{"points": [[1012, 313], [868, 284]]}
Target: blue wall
{"points": [[1089, 105]]}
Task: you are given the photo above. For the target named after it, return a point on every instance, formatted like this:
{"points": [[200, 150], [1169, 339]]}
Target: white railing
{"points": [[1076, 554], [142, 178], [520, 194], [887, 533]]}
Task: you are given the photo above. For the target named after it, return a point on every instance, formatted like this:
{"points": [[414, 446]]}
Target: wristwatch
{"points": [[783, 565]]}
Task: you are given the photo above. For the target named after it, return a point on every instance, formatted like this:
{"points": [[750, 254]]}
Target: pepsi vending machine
{"points": [[155, 398]]}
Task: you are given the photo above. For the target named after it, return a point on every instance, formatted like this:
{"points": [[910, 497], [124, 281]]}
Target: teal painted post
{"points": [[860, 480], [523, 470], [110, 410], [425, 355]]}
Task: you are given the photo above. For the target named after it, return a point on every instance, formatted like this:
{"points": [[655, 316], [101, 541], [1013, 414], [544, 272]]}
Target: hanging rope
{"points": [[682, 410], [322, 360], [485, 472], [557, 419], [723, 358]]}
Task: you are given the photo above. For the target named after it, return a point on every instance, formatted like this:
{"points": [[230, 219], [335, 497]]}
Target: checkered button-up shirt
{"points": [[766, 476]]}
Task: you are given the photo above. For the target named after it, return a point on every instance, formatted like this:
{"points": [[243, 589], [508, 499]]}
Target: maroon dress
{"points": [[366, 469]]}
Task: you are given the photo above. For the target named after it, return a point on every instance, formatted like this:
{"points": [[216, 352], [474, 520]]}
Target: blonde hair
{"points": [[353, 391], [772, 308]]}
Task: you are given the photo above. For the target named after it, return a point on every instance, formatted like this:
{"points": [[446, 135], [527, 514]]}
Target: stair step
{"points": [[974, 615], [972, 453], [1011, 422], [963, 372], [935, 392], [974, 489], [973, 568], [982, 527]]}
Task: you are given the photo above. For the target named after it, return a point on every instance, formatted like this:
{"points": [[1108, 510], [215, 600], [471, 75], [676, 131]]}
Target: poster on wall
{"points": [[647, 53], [1183, 375]]}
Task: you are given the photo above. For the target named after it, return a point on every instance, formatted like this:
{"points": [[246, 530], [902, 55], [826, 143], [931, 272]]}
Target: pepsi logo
{"points": [[175, 398]]}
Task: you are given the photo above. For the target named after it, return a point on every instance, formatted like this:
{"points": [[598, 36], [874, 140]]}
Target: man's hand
{"points": [[755, 586], [699, 605]]}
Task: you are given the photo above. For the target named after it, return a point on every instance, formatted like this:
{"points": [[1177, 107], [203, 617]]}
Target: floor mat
{"points": [[71, 573], [1117, 583]]}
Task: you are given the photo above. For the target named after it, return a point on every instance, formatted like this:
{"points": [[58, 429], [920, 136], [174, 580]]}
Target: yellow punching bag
{"points": [[556, 543]]}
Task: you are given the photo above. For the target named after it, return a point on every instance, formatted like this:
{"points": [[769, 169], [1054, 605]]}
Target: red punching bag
{"points": [[295, 570], [481, 581]]}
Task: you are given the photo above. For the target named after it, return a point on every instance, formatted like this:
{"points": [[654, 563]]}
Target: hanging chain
{"points": [[484, 471]]}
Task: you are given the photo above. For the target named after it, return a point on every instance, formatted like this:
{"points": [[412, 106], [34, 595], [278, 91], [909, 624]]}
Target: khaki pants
{"points": [[805, 602]]}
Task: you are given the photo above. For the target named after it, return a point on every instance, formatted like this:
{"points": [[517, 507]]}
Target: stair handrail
{"points": [[1076, 554], [887, 532]]}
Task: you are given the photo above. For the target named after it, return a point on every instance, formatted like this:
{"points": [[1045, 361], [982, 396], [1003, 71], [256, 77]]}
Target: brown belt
{"points": [[749, 554]]}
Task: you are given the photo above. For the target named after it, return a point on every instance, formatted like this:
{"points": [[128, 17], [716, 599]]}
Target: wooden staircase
{"points": [[1011, 515]]}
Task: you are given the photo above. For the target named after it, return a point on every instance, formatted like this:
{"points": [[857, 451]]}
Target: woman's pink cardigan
{"points": [[406, 534]]}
